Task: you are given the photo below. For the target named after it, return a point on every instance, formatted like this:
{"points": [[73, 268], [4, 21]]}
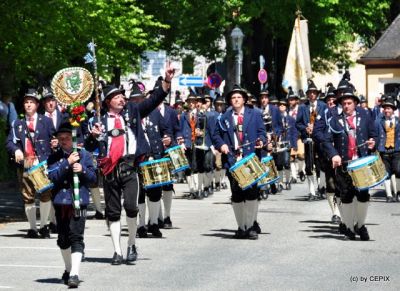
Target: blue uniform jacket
{"points": [[380, 124], [303, 117], [156, 129], [133, 115], [44, 131], [277, 126], [253, 129], [61, 174], [171, 120], [289, 131], [186, 130], [337, 138]]}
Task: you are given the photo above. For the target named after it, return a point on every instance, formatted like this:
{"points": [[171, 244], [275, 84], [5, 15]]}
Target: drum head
{"points": [[361, 162], [241, 162]]}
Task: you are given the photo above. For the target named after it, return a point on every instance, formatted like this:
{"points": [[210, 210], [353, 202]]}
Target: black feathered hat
{"points": [[291, 94], [349, 92], [110, 91], [311, 86], [47, 93], [136, 92], [389, 101]]}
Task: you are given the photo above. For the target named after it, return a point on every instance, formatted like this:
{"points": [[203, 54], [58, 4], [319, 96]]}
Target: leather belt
{"points": [[116, 132]]}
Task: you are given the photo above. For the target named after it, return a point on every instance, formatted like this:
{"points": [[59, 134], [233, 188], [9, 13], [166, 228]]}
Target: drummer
{"points": [[389, 143], [240, 131], [351, 136], [30, 142]]}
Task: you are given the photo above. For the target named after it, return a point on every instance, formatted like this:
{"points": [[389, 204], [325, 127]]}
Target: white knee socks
{"points": [[115, 230]]}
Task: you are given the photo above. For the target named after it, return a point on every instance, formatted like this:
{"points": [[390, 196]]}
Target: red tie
{"points": [[240, 127], [352, 148], [294, 113], [30, 152], [107, 164]]}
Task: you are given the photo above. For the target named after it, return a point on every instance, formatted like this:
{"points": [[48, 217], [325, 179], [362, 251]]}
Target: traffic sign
{"points": [[191, 81], [214, 80], [262, 76]]}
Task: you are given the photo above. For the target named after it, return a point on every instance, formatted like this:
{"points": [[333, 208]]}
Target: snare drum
{"points": [[38, 176], [178, 159], [248, 171], [269, 165], [156, 173], [367, 172]]}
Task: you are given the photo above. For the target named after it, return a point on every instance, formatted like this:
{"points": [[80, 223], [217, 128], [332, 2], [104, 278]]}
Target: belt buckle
{"points": [[115, 132]]}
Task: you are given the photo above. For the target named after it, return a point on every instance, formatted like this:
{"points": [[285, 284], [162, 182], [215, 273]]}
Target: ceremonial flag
{"points": [[298, 66]]}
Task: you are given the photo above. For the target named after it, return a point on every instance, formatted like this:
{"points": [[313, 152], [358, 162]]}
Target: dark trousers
{"points": [[121, 182], [392, 163], [282, 160], [239, 195], [70, 229], [346, 189], [311, 155]]}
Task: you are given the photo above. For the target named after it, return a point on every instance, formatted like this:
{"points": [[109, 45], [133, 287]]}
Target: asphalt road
{"points": [[299, 249]]}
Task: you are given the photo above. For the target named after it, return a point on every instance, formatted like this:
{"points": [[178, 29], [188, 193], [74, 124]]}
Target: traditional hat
{"points": [[302, 96], [389, 101], [64, 127], [110, 91], [135, 91], [192, 96], [47, 93], [291, 94], [311, 86], [283, 101], [32, 93], [236, 89], [219, 100], [349, 92], [331, 93], [273, 100], [178, 100], [362, 99], [264, 92]]}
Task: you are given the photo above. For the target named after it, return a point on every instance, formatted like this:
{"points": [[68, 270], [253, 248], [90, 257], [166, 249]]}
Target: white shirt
{"points": [[131, 137], [235, 121], [162, 109], [53, 117]]}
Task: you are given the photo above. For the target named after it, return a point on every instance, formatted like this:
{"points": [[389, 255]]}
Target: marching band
{"points": [[139, 146]]}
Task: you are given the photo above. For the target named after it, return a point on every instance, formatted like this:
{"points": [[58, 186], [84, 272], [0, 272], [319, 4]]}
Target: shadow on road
{"points": [[50, 281]]}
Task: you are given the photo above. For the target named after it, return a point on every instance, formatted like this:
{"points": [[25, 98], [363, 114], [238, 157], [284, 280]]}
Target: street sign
{"points": [[214, 80], [262, 76], [191, 81], [262, 62]]}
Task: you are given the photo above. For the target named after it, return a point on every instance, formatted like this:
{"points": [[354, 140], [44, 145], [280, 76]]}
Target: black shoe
{"points": [[336, 219], [155, 230], [53, 228], [160, 223], [131, 255], [256, 227], [142, 232], [293, 180], [224, 185], [83, 256], [98, 215], [116, 259], [44, 232], [32, 234], [302, 176], [342, 228], [280, 188], [251, 233], [199, 195], [210, 191], [349, 234], [274, 190], [167, 223], [73, 281], [205, 192], [240, 234], [217, 187], [363, 233], [321, 193], [65, 277]]}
